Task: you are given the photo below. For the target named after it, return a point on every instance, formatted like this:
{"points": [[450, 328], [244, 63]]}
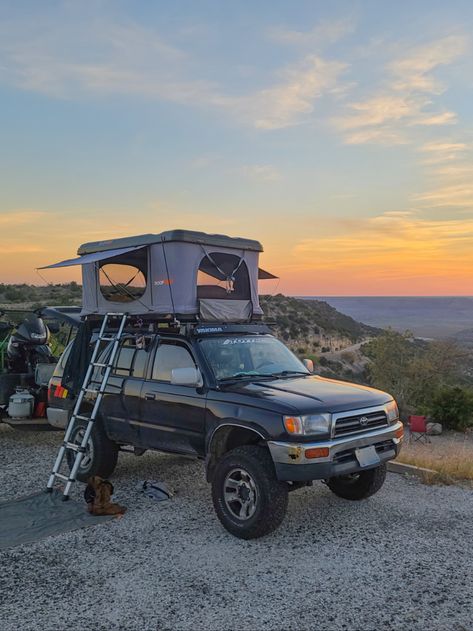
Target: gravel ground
{"points": [[400, 560]]}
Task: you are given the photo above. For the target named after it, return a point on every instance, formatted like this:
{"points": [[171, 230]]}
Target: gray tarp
{"points": [[35, 517]]}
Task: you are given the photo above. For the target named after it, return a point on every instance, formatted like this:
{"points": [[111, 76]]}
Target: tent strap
{"points": [[229, 278]]}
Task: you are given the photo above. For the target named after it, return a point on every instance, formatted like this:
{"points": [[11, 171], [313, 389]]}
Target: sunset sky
{"points": [[337, 133]]}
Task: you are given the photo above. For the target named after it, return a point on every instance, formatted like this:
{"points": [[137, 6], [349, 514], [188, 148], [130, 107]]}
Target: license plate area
{"points": [[367, 456]]}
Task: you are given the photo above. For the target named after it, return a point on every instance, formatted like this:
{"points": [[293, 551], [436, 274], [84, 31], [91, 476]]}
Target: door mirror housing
{"points": [[186, 377], [309, 364]]}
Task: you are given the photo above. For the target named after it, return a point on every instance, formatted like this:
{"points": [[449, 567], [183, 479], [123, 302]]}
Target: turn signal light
{"points": [[293, 424], [317, 452], [399, 433]]}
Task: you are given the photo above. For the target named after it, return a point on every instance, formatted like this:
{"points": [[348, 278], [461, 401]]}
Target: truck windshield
{"points": [[249, 356]]}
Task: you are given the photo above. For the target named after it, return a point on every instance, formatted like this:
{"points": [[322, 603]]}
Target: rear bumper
{"points": [[291, 463], [58, 417]]}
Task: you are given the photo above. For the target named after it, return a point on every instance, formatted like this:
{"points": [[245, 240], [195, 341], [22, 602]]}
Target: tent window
{"points": [[121, 283], [214, 274]]}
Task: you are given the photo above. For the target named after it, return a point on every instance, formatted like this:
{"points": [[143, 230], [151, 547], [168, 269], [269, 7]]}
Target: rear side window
{"points": [[132, 359], [170, 356]]}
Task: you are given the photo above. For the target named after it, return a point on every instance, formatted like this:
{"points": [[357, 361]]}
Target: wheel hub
{"points": [[240, 494]]}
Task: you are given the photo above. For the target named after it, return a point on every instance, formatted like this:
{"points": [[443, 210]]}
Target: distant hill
{"points": [[313, 326], [463, 338], [425, 316]]}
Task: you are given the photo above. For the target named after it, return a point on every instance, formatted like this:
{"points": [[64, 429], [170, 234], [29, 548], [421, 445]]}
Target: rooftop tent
{"points": [[175, 272]]}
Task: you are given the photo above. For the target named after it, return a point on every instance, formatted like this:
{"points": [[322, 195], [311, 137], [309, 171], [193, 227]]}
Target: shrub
{"points": [[453, 407], [348, 356]]}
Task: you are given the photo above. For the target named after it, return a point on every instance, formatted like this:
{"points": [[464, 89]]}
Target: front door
{"points": [[172, 417]]}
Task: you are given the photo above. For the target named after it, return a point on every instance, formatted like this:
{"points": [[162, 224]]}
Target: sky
{"points": [[339, 134]]}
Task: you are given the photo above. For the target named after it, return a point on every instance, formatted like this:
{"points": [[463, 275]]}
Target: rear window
{"points": [[59, 370]]}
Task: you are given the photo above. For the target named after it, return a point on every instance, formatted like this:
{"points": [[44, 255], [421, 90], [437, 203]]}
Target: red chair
{"points": [[418, 425]]}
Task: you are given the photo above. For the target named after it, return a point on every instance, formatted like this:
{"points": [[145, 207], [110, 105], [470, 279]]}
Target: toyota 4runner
{"points": [[236, 397]]}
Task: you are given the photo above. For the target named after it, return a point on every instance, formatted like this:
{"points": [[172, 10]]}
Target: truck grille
{"points": [[360, 423]]}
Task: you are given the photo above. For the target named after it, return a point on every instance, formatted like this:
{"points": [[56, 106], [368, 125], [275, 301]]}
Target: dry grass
{"points": [[451, 458]]}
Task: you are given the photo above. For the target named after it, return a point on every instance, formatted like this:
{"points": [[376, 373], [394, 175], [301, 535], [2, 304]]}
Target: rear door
{"points": [[121, 405], [172, 417]]}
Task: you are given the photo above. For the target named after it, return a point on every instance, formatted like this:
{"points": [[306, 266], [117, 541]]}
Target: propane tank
{"points": [[21, 404]]}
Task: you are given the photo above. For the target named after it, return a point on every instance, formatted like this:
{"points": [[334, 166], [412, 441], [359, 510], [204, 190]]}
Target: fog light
{"points": [[317, 452]]}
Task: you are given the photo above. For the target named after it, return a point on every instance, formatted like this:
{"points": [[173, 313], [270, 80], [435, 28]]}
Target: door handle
{"points": [[150, 396]]}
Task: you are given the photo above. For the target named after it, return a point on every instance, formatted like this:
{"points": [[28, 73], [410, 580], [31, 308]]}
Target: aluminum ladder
{"points": [[80, 449]]}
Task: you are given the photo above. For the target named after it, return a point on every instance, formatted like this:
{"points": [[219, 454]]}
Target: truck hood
{"points": [[309, 395]]}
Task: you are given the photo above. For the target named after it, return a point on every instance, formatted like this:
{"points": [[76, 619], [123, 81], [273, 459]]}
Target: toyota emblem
{"points": [[363, 420]]}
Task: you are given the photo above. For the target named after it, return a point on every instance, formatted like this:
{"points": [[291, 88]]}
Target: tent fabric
{"points": [[219, 310], [92, 258], [264, 275], [170, 263], [171, 286], [35, 517]]}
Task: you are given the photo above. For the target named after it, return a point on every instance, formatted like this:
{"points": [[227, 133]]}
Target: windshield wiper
{"points": [[289, 373], [246, 377]]}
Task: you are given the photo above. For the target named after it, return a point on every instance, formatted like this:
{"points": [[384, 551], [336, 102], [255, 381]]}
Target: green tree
{"points": [[453, 407]]}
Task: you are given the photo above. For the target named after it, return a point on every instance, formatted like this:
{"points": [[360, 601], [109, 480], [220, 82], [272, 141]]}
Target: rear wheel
{"points": [[101, 453], [358, 486], [248, 499]]}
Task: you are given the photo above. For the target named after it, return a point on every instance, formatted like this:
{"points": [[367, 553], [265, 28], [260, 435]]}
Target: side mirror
{"points": [[186, 377], [54, 327], [309, 364]]}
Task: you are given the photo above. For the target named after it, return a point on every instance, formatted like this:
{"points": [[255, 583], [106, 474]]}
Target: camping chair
{"points": [[418, 425]]}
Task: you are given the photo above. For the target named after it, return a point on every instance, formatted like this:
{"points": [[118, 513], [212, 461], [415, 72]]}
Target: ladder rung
{"points": [[74, 447], [61, 477], [86, 387]]}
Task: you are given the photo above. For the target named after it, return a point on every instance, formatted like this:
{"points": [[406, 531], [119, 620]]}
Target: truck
{"points": [[237, 398]]}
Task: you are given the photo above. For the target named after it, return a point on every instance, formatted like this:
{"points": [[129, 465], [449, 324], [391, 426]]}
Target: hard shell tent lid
{"points": [[171, 273], [186, 236]]}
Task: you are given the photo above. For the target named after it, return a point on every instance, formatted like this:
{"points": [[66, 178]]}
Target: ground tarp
{"points": [[35, 517]]}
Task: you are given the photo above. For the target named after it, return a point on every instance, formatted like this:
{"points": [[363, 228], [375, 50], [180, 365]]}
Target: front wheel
{"points": [[101, 454], [248, 499], [358, 486]]}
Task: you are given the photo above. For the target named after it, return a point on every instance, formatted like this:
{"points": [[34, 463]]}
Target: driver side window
{"points": [[169, 356]]}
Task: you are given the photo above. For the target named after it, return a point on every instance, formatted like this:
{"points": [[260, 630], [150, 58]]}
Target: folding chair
{"points": [[418, 425]]}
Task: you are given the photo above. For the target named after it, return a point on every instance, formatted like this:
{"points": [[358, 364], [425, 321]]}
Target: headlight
{"points": [[312, 424], [392, 411]]}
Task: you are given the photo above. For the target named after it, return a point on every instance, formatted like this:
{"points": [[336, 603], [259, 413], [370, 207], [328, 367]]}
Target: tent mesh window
{"points": [[223, 276], [123, 278]]}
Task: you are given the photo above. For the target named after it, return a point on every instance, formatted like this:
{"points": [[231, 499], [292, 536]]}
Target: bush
{"points": [[453, 407]]}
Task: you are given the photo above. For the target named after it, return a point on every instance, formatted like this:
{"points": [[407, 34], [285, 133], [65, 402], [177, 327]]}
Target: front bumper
{"points": [[291, 463]]}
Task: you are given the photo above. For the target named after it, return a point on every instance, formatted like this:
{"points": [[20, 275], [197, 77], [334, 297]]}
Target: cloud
{"points": [[127, 59], [404, 98], [394, 245], [20, 217], [292, 99], [412, 70], [325, 32], [261, 172]]}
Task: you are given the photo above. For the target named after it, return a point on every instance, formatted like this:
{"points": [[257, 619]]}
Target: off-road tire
{"points": [[105, 453], [366, 483], [271, 495]]}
